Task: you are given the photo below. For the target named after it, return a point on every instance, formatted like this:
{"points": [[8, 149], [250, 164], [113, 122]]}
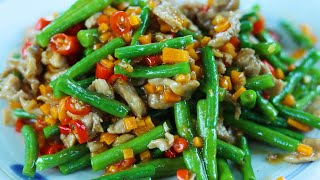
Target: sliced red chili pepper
{"points": [[265, 95], [66, 121], [153, 60], [171, 153], [180, 144], [235, 41], [73, 31], [39, 125], [72, 105], [114, 77], [64, 129], [41, 139], [103, 72], [25, 46], [183, 174], [42, 23], [19, 124], [79, 129], [120, 23], [258, 26], [51, 149], [269, 66], [122, 165], [64, 44]]}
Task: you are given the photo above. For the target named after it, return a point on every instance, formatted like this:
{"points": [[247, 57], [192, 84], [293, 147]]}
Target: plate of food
{"points": [[136, 89]]}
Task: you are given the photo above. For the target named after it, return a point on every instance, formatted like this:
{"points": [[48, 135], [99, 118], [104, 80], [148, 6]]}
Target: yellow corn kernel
{"points": [[51, 121], [298, 125], [193, 54], [134, 20], [149, 123], [289, 100], [305, 150], [14, 105], [141, 130], [109, 11], [133, 10], [128, 153], [54, 112], [149, 88], [197, 44], [107, 63], [62, 109], [160, 89], [164, 27], [104, 37], [190, 46], [44, 90], [197, 142], [222, 27], [218, 20], [238, 93], [97, 46], [225, 82], [45, 108], [145, 155], [185, 23], [32, 104], [230, 49], [140, 122], [103, 28], [146, 39], [281, 178], [279, 74], [171, 56], [197, 70], [170, 97], [108, 138], [298, 54], [127, 37], [130, 123], [238, 79], [183, 78], [205, 40], [291, 67]]}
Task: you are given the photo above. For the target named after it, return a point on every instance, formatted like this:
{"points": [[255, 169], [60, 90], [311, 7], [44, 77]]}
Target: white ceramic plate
{"points": [[17, 15]]}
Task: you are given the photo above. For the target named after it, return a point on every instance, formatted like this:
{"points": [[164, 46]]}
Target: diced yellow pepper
{"points": [[128, 153], [108, 138], [171, 56], [146, 39], [146, 155], [134, 20], [130, 123]]}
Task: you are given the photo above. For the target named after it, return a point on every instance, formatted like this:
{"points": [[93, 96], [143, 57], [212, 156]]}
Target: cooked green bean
{"points": [[131, 173], [224, 172], [101, 102], [246, 26], [264, 134], [248, 99], [191, 155], [303, 102], [297, 74], [20, 113], [50, 131], [115, 154], [78, 15], [250, 16], [202, 118], [212, 91], [286, 59], [246, 167], [299, 115], [31, 151], [301, 39], [289, 133], [244, 40], [264, 36], [61, 157], [88, 37], [266, 107], [130, 52], [258, 118], [162, 71], [76, 165], [145, 20], [141, 3], [276, 63], [228, 151], [187, 32], [86, 82], [260, 82]]}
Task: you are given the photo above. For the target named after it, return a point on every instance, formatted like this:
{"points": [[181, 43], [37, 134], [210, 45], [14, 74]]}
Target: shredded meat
{"points": [[101, 86], [221, 38], [237, 106], [223, 133], [127, 92], [277, 88], [163, 144], [10, 87], [155, 102], [297, 158], [314, 107], [54, 59], [68, 140], [96, 147], [226, 5], [249, 62], [162, 37], [118, 127], [169, 14], [92, 21], [8, 118], [122, 139]]}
